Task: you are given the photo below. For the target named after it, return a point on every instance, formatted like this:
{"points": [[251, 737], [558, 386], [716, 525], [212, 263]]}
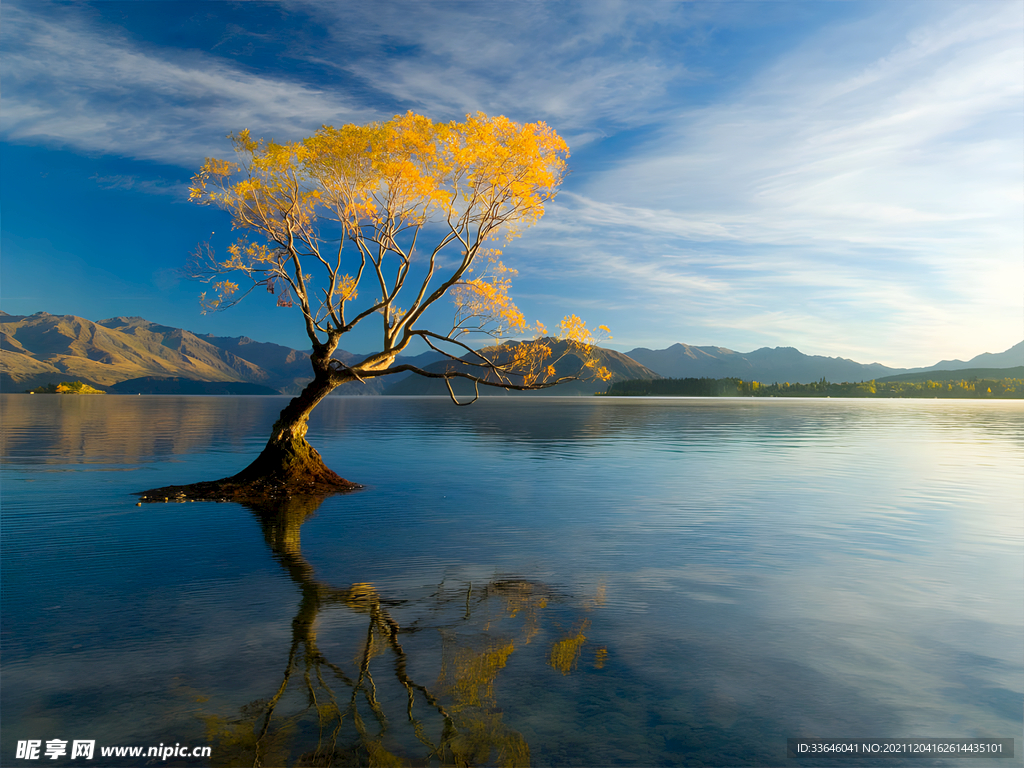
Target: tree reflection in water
{"points": [[457, 720]]}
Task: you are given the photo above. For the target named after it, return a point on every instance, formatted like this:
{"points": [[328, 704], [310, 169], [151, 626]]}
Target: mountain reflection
{"points": [[327, 708], [69, 429], [103, 429]]}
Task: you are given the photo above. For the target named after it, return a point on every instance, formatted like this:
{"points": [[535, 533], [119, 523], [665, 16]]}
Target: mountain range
{"points": [[621, 367], [782, 364], [134, 355], [138, 355]]}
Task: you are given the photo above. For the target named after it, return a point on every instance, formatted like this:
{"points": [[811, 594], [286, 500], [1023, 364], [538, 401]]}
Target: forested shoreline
{"points": [[966, 388]]}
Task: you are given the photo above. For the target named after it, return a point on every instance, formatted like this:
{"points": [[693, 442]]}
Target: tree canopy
{"points": [[390, 217]]}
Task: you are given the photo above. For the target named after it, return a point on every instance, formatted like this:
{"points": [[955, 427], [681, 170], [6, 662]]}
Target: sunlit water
{"points": [[549, 581]]}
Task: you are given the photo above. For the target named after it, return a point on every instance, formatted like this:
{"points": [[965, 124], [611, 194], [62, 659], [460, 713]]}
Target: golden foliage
{"points": [[565, 653], [376, 187], [242, 741], [67, 388], [484, 303], [537, 361], [470, 674], [348, 288], [523, 598], [376, 182], [467, 679]]}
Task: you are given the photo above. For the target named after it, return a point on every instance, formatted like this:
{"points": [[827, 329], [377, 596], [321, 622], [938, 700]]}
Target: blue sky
{"points": [[842, 177]]}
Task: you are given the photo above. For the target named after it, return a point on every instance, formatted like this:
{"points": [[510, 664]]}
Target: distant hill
{"points": [[786, 364], [963, 374], [1011, 358], [621, 366], [40, 349], [682, 361], [134, 355]]}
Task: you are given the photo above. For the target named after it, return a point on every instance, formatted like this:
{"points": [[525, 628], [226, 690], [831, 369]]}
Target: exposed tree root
{"points": [[296, 470], [231, 489]]}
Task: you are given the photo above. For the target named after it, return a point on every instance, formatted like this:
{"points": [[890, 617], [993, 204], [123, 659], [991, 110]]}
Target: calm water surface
{"points": [[524, 581]]}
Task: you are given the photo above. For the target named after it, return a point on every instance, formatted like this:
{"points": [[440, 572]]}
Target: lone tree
{"points": [[336, 224]]}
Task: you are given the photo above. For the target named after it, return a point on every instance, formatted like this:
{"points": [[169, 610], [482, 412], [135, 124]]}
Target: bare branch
{"points": [[451, 392]]}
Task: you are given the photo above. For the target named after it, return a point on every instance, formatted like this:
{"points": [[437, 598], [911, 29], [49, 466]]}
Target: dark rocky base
{"points": [[284, 469], [245, 490]]}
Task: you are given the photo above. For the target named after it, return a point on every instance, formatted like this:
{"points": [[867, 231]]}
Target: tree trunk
{"points": [[287, 466], [288, 462]]}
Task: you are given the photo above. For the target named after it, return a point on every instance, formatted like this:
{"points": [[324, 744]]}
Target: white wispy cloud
{"points": [[579, 66], [586, 68], [880, 199], [69, 84], [935, 139], [131, 182]]}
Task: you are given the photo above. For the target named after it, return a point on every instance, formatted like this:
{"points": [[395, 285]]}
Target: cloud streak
{"points": [[927, 134], [90, 90], [584, 67], [882, 197], [69, 82]]}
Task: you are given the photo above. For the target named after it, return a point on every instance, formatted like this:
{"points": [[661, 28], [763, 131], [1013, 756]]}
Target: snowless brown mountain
{"points": [[782, 364], [41, 349], [621, 367], [131, 354]]}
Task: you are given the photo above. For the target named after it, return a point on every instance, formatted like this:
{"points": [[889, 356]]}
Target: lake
{"points": [[525, 581]]}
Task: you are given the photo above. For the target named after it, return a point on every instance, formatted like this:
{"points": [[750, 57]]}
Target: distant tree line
{"points": [[731, 387], [676, 387]]}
